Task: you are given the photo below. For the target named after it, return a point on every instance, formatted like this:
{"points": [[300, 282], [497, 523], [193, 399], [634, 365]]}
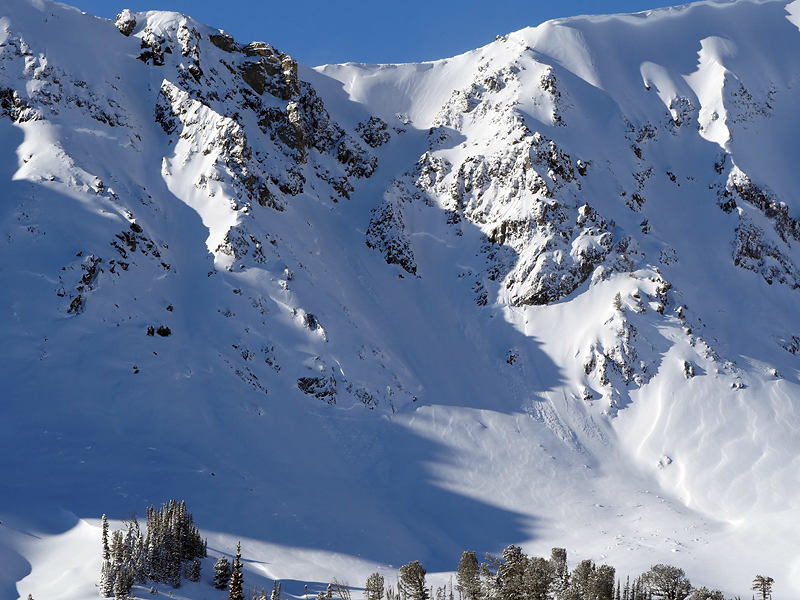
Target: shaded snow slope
{"points": [[544, 293]]}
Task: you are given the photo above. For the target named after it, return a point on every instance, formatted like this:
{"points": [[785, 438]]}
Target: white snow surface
{"points": [[563, 310]]}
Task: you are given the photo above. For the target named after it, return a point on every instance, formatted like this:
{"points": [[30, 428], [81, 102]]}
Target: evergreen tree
{"points": [[580, 580], [560, 572], [489, 579], [123, 583], [539, 576], [412, 582], [106, 579], [511, 574], [192, 570], [601, 586], [373, 589], [175, 572], [666, 582], [703, 593], [468, 582], [235, 589], [106, 551], [222, 573], [763, 585]]}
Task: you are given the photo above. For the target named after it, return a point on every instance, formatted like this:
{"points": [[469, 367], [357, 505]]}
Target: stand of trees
{"points": [[516, 576], [172, 548], [169, 550]]}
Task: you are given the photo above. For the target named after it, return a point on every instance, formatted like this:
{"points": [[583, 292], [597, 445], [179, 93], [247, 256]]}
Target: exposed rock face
{"points": [[323, 388], [387, 232], [764, 251], [292, 125], [126, 22], [374, 132], [542, 242]]}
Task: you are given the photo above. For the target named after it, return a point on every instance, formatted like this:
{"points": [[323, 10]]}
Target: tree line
{"points": [[516, 576], [172, 548]]}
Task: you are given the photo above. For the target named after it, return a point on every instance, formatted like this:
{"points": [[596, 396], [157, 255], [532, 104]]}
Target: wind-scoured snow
{"points": [[542, 293]]}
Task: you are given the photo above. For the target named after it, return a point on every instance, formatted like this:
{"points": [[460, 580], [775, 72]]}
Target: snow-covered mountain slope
{"points": [[542, 293]]}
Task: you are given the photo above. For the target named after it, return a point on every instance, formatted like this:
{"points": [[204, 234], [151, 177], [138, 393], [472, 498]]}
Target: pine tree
{"points": [[763, 585], [489, 578], [667, 582], [235, 590], [192, 570], [106, 551], [539, 578], [511, 574], [222, 573], [581, 579], [601, 585], [468, 581], [703, 593], [412, 582], [123, 583], [106, 580], [373, 589], [560, 571]]}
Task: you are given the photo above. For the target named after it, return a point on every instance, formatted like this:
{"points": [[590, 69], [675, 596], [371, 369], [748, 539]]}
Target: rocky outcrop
{"points": [[126, 22], [387, 233]]}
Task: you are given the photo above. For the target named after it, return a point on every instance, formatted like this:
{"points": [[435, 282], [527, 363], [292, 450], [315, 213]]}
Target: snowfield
{"points": [[544, 293]]}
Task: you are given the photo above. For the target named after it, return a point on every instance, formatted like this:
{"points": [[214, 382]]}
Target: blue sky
{"points": [[376, 31]]}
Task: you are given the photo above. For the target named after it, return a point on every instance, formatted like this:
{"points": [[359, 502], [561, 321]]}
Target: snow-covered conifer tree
{"points": [[192, 570], [763, 586], [373, 589], [468, 581], [412, 582], [222, 573], [236, 589]]}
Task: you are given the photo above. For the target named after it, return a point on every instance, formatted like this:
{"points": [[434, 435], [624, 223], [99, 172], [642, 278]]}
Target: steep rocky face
{"points": [[511, 155], [241, 137]]}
